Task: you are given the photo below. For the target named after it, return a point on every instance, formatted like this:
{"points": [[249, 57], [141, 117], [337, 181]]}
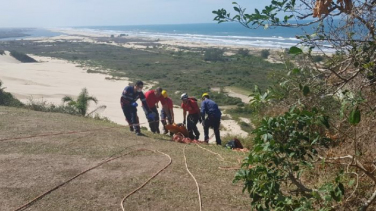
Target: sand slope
{"points": [[8, 59]]}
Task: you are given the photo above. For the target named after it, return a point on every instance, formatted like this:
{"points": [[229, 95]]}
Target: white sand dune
{"points": [[51, 79], [7, 58]]}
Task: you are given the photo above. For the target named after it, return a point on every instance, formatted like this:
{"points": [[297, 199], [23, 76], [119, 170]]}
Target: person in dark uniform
{"points": [[213, 120], [129, 105]]}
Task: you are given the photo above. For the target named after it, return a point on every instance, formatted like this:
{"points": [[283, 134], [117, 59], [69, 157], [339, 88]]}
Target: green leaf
{"points": [[354, 118], [341, 188], [325, 121], [296, 71], [295, 50], [351, 182], [305, 90]]}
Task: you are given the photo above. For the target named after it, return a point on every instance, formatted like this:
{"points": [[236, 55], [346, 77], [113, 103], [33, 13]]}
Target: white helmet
{"points": [[184, 96]]}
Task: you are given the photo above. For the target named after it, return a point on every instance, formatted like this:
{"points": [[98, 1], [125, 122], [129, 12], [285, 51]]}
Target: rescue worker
{"points": [[169, 115], [213, 120], [129, 105], [190, 105], [152, 99]]}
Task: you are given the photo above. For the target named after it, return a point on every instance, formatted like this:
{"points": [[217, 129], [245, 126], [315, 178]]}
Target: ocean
{"points": [[211, 33], [232, 34]]}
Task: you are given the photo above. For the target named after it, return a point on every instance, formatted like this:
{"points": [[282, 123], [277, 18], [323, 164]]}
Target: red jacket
{"points": [[191, 106], [151, 99]]}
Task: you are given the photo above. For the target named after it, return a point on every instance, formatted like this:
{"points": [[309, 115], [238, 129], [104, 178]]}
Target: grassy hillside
{"points": [[32, 166]]}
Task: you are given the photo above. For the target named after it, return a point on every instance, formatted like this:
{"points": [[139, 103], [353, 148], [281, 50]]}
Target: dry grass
{"points": [[29, 167]]}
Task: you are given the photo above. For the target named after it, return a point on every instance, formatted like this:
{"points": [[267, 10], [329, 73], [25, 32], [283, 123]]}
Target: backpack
{"points": [[234, 144]]}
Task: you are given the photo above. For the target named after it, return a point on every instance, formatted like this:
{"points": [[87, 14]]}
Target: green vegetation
{"points": [[82, 103], [177, 72], [243, 52], [214, 54], [44, 106], [22, 57], [7, 99], [317, 122], [265, 53]]}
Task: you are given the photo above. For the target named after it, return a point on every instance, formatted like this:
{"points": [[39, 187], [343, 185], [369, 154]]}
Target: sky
{"points": [[65, 13]]}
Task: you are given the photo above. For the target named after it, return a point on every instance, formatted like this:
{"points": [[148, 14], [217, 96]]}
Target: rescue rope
{"points": [[141, 186], [56, 134], [67, 132], [198, 187], [28, 204], [220, 156]]}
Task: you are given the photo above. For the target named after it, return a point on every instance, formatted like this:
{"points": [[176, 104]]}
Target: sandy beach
{"points": [[51, 79]]}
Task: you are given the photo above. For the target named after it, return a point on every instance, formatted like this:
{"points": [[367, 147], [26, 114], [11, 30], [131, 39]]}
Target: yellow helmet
{"points": [[164, 94], [205, 95]]}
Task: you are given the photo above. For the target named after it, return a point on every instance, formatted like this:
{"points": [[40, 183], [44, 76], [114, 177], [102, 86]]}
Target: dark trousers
{"points": [[164, 119], [192, 126], [130, 114], [214, 123], [154, 123]]}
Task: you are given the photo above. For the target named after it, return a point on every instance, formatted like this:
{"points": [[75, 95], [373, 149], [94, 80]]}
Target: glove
{"points": [[134, 104], [184, 122], [151, 116]]}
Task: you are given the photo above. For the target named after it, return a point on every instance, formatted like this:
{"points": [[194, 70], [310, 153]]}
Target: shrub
{"points": [[22, 57], [285, 151], [2, 52], [44, 106], [243, 52], [265, 53], [7, 99], [214, 54]]}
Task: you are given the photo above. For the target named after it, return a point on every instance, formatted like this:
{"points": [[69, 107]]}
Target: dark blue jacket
{"points": [[130, 95], [211, 108]]}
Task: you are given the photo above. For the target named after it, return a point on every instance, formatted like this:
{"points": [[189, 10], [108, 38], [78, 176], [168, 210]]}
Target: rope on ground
{"points": [[60, 133], [66, 133], [198, 187], [28, 204], [141, 186], [220, 156], [221, 159]]}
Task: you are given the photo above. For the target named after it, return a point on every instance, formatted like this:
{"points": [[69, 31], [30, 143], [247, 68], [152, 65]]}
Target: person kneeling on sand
{"points": [[190, 105], [152, 99], [213, 120], [129, 105], [169, 115]]}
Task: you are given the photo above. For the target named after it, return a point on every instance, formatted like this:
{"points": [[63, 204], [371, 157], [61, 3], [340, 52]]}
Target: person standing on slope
{"points": [[152, 99], [129, 105], [213, 119], [190, 105], [169, 115]]}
